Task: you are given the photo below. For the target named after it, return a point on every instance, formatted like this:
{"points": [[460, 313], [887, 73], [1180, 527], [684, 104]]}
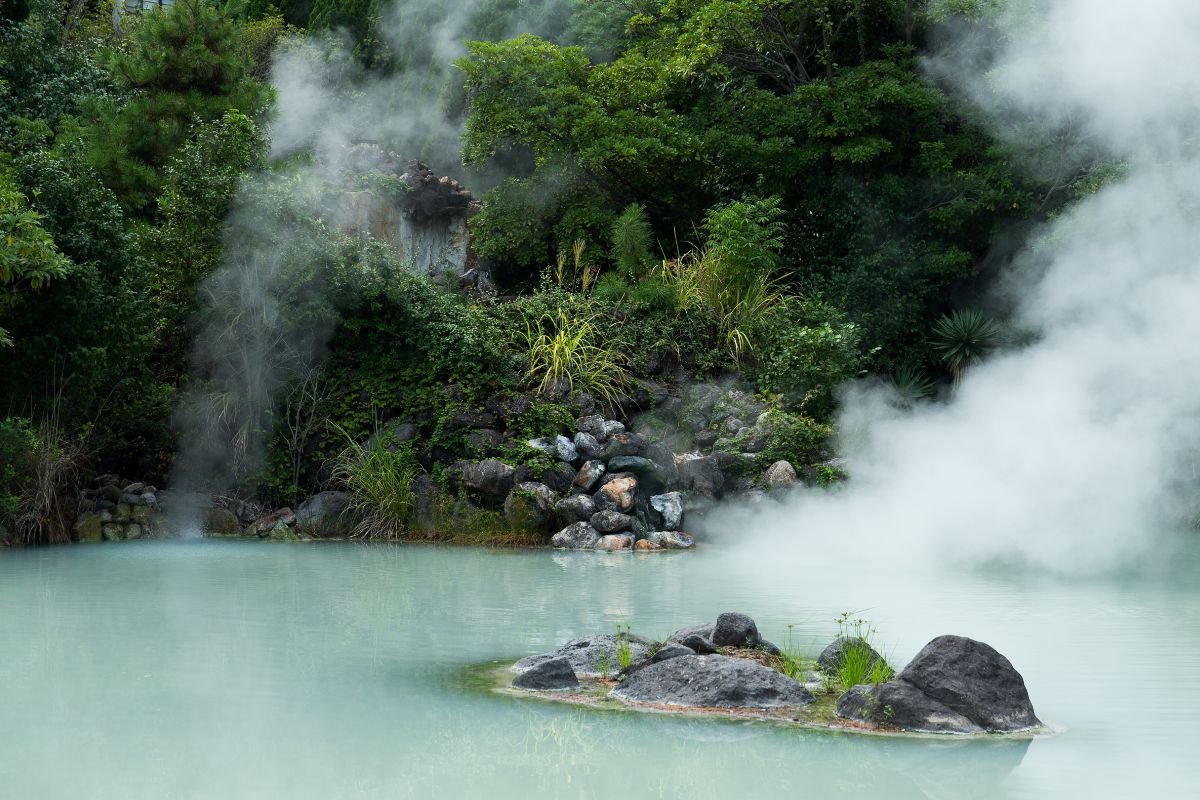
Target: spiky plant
{"points": [[964, 337], [631, 240], [566, 350], [911, 384]]}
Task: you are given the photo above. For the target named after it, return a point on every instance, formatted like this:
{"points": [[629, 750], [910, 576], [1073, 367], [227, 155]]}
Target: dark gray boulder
{"points": [[592, 425], [530, 505], [554, 674], [973, 679], [624, 444], [576, 508], [671, 650], [712, 682], [701, 474], [578, 536], [587, 446], [703, 630], [593, 656], [323, 512], [954, 685], [735, 630], [611, 521], [489, 477], [831, 657], [559, 476], [645, 469], [902, 705], [699, 644]]}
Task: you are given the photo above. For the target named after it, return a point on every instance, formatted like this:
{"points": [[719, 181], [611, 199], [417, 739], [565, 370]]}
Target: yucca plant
{"points": [[569, 351], [964, 337], [911, 384]]}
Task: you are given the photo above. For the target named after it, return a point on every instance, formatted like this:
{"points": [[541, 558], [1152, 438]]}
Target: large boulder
{"points": [[323, 512], [557, 447], [489, 477], [618, 494], [530, 505], [589, 474], [954, 685], [578, 536], [554, 674], [611, 521], [671, 540], [587, 446], [576, 508], [781, 475], [221, 521], [624, 444], [713, 681], [701, 474], [645, 469], [594, 656], [559, 476], [670, 507], [614, 542]]}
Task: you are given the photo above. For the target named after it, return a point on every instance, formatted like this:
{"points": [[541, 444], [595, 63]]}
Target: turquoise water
{"points": [[245, 670]]}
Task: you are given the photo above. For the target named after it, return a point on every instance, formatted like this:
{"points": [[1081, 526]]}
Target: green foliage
{"points": [[574, 353], [789, 437], [41, 465], [178, 66], [911, 384], [964, 337], [378, 476], [631, 241], [858, 664], [18, 443], [29, 258], [808, 349]]}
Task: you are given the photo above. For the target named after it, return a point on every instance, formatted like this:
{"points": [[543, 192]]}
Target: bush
{"points": [[378, 475], [40, 472], [631, 240], [801, 440], [570, 353], [808, 349]]}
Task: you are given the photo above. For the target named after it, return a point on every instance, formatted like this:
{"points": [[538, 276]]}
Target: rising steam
{"points": [[1077, 452]]}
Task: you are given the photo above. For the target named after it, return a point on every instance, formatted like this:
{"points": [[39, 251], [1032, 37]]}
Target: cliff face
{"points": [[422, 215]]}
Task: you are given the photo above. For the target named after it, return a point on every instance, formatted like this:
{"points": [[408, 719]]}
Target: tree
{"points": [[180, 66], [29, 258]]}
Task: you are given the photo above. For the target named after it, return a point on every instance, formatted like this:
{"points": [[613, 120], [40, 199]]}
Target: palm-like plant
{"points": [[911, 384], [964, 337]]}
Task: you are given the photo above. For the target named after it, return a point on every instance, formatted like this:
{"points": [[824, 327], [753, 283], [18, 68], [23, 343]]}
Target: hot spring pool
{"points": [[223, 670]]}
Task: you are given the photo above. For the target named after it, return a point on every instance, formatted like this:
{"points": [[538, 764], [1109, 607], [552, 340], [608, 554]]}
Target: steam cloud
{"points": [[248, 349], [1079, 451]]}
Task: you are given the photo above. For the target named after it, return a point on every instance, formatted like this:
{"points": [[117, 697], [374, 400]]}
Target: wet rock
{"points": [[832, 656], [589, 474], [671, 650], [973, 679], [645, 469], [559, 477], [712, 682], [735, 630], [274, 524], [615, 542], [489, 477], [664, 460], [611, 428], [593, 656], [902, 705], [530, 505], [611, 521], [220, 521], [323, 512], [557, 447], [670, 507], [646, 544], [112, 532], [89, 528], [554, 674], [132, 531], [624, 444], [671, 540], [618, 494], [576, 508], [706, 439], [587, 446], [701, 474], [579, 536], [781, 475], [699, 644], [592, 425]]}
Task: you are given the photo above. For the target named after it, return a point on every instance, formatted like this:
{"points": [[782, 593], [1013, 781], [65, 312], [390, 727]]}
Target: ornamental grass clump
{"points": [[964, 337], [378, 476], [568, 352]]}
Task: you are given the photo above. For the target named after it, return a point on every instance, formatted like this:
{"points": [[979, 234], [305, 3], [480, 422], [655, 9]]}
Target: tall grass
{"points": [[48, 470], [569, 351], [378, 476], [859, 663]]}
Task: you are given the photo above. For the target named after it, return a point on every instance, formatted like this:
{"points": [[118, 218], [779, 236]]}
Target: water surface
{"points": [[228, 670]]}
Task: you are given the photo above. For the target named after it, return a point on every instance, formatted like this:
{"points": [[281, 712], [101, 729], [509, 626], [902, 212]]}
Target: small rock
{"points": [[781, 475], [611, 521], [579, 536], [554, 674], [323, 512], [559, 477], [485, 440], [221, 521], [112, 532], [735, 630], [559, 447], [132, 531], [592, 425], [611, 428], [589, 474], [671, 540], [614, 542], [646, 544], [670, 507], [593, 656]]}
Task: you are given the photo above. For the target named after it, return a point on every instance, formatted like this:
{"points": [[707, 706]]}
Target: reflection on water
{"points": [[235, 670]]}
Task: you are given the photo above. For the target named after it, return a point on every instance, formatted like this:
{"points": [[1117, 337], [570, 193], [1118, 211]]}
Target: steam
{"points": [[1077, 452], [252, 344]]}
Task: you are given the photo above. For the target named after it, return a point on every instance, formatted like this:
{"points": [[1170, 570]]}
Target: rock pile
{"points": [[111, 509]]}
